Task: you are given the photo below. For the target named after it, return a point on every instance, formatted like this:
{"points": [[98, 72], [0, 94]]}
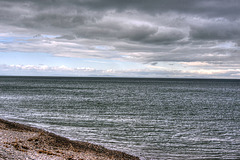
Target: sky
{"points": [[118, 38]]}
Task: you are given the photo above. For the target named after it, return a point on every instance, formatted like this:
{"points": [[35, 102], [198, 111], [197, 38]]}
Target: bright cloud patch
{"points": [[31, 70]]}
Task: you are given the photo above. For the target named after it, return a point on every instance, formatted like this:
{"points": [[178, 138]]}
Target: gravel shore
{"points": [[18, 141]]}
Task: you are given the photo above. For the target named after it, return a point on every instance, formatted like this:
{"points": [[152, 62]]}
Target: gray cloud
{"points": [[219, 29], [213, 8], [144, 31]]}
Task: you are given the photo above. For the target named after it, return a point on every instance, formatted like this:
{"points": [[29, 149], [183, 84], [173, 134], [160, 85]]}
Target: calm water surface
{"points": [[149, 118]]}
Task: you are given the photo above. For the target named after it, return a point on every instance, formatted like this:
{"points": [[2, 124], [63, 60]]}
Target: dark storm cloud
{"points": [[148, 31], [199, 7], [218, 30]]}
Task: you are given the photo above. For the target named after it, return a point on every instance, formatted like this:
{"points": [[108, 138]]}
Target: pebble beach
{"points": [[18, 141]]}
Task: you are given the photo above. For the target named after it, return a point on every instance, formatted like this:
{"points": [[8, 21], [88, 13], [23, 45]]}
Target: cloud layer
{"points": [[152, 71], [151, 32]]}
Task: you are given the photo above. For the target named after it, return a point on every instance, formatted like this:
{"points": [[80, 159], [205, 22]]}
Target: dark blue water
{"points": [[149, 118]]}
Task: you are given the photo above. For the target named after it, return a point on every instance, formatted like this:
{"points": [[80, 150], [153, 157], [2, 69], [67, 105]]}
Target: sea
{"points": [[147, 117]]}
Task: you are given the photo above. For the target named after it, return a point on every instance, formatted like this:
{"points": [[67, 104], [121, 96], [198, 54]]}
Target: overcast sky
{"points": [[128, 38]]}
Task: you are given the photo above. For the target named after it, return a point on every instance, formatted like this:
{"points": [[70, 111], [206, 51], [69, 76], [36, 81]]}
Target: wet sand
{"points": [[18, 141]]}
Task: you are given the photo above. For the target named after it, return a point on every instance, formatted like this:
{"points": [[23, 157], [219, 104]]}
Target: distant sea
{"points": [[149, 118]]}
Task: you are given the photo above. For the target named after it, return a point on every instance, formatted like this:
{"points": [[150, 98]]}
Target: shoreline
{"points": [[19, 141]]}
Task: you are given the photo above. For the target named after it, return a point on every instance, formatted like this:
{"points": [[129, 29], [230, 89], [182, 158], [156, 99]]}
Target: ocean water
{"points": [[149, 118]]}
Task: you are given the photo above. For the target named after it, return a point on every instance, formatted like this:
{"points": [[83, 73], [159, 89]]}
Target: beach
{"points": [[18, 141]]}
